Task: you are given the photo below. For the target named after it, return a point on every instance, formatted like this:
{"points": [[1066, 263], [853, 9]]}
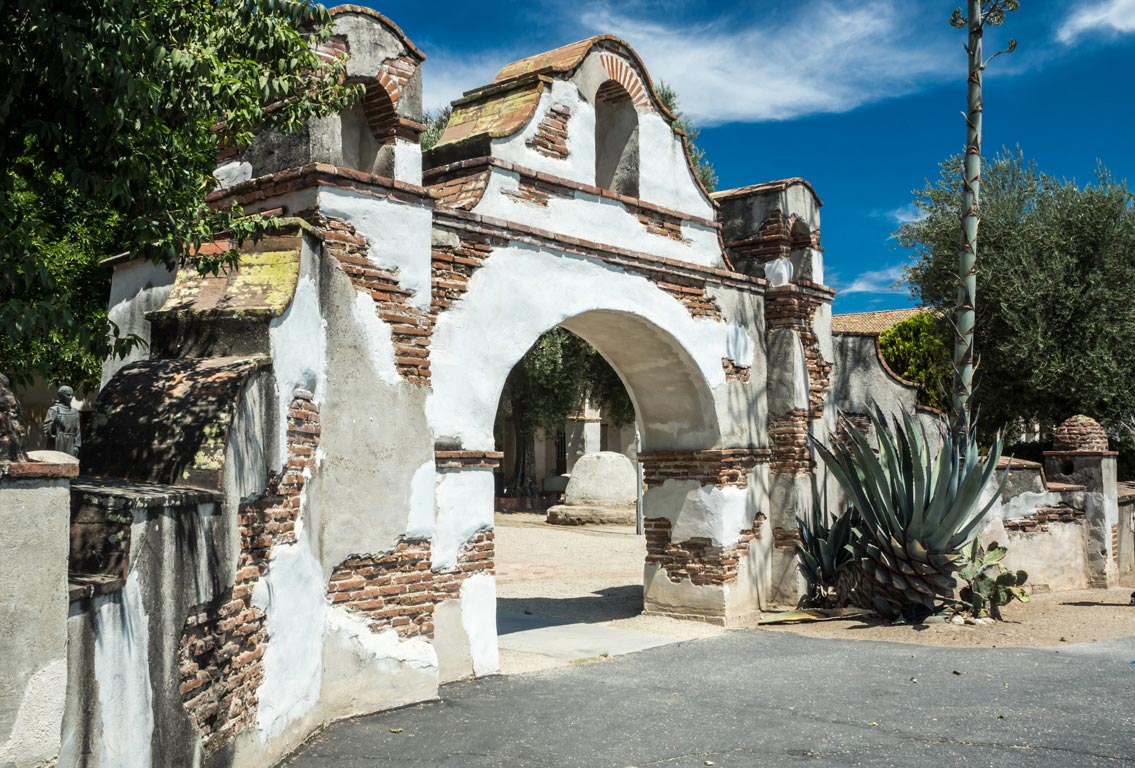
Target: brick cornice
{"points": [[463, 167], [316, 175], [447, 218]]}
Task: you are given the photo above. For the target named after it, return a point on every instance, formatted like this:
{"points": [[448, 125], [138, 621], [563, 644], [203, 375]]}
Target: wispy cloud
{"points": [[874, 281], [447, 74], [1114, 17], [823, 57]]}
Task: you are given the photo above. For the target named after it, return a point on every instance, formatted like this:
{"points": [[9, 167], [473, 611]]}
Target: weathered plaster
{"points": [[137, 287], [479, 618], [464, 506], [398, 236], [668, 359]]}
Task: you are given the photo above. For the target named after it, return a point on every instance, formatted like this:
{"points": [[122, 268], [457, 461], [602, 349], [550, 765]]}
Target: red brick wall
{"points": [[788, 435], [550, 138], [219, 657], [719, 467], [697, 559], [1039, 520], [398, 590]]}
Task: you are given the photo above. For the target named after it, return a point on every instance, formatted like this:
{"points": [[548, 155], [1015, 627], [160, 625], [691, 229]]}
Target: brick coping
{"points": [[455, 168], [487, 225], [1081, 453], [38, 470]]}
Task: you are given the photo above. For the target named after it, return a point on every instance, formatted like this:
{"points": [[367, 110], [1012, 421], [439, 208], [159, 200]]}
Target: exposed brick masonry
{"points": [[220, 653], [697, 559], [719, 467], [398, 590], [1080, 434], [788, 435], [1039, 520], [550, 138], [793, 307], [410, 328], [734, 372]]}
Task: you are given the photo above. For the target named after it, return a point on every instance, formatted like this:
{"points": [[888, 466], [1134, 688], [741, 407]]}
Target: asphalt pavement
{"points": [[754, 698]]}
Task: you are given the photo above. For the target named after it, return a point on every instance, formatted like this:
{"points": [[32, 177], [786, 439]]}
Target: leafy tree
{"points": [[979, 13], [918, 350], [109, 129], [436, 122], [553, 381], [1058, 281], [702, 167]]}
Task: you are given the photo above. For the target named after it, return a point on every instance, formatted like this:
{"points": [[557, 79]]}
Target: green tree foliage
{"points": [[436, 122], [109, 129], [1058, 287], [702, 167], [552, 382], [918, 350]]}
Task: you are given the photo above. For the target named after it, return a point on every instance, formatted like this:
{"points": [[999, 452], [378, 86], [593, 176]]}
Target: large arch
{"points": [[669, 360]]}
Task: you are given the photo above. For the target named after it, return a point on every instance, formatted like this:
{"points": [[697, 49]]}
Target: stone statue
{"points": [[62, 423], [11, 430]]}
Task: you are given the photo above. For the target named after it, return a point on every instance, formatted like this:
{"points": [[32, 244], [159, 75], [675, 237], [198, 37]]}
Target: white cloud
{"points": [[824, 57], [447, 75], [1114, 17], [875, 281], [904, 214]]}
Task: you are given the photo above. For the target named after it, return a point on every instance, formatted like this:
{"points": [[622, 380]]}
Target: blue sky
{"points": [[862, 97]]}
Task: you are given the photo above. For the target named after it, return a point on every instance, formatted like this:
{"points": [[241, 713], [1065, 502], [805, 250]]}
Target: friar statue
{"points": [[11, 431], [62, 423]]}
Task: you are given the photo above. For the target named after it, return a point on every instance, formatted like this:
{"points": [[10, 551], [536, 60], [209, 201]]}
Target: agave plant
{"points": [[824, 554], [917, 511]]}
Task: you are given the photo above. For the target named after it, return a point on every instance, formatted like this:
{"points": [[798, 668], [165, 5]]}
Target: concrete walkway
{"points": [[569, 641], [754, 698]]}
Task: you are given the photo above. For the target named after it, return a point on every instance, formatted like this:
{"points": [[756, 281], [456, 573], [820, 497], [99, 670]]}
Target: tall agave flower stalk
{"points": [[978, 14], [917, 511]]}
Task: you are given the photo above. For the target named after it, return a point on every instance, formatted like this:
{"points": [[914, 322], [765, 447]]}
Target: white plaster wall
{"points": [[683, 598], [407, 161], [523, 291], [464, 506], [122, 673], [664, 176], [398, 236], [598, 219], [423, 487], [479, 619], [377, 341], [298, 340], [1055, 559], [579, 165], [697, 511], [34, 738]]}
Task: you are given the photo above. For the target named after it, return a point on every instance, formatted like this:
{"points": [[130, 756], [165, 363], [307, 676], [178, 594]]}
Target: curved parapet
{"points": [[585, 113]]}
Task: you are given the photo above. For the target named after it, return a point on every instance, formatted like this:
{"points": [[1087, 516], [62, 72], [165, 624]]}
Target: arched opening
{"points": [[368, 131], [616, 140], [570, 556]]}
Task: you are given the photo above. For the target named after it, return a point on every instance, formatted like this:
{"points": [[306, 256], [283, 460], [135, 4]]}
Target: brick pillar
{"points": [[799, 373], [704, 533]]}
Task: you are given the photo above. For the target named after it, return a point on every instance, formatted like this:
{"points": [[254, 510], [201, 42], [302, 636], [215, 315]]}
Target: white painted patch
{"points": [[479, 617], [700, 511], [822, 327], [34, 738], [423, 487], [521, 292], [664, 176], [778, 272], [398, 236], [739, 345], [407, 161], [385, 646], [122, 671], [598, 219], [233, 172], [293, 600], [579, 166], [376, 338], [299, 353], [464, 506]]}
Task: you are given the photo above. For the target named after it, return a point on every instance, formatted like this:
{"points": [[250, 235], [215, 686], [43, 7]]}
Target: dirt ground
{"points": [[593, 574]]}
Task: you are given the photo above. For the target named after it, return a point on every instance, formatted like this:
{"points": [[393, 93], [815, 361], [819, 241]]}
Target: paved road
{"points": [[752, 698]]}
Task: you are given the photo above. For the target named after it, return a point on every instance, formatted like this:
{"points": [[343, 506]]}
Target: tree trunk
{"points": [[967, 262]]}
